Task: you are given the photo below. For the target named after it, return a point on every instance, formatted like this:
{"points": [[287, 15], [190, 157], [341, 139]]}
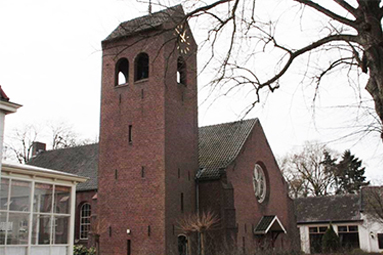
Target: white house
{"points": [[348, 216]]}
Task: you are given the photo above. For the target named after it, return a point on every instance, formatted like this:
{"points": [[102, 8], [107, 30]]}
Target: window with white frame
{"points": [[34, 214], [85, 214]]}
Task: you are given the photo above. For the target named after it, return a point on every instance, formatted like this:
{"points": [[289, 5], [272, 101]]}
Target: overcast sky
{"points": [[50, 62]]}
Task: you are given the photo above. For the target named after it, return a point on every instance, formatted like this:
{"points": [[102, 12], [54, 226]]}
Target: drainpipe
{"points": [[197, 208]]}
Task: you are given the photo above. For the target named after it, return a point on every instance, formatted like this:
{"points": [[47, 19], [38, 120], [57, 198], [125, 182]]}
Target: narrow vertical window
{"points": [[85, 213], [179, 173], [115, 174], [182, 202], [141, 66], [243, 245], [181, 71], [110, 231], [130, 133], [128, 250], [189, 175], [149, 230], [143, 172], [122, 72]]}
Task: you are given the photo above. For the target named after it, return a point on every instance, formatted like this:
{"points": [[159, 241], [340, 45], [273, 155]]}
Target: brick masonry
{"points": [[233, 200], [140, 182]]}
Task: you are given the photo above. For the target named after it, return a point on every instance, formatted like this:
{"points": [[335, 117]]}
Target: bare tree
{"points": [[349, 41], [307, 173], [199, 224], [19, 142], [62, 135], [372, 202]]}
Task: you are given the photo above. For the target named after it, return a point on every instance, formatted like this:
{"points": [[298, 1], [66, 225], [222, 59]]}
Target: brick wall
{"points": [[139, 187], [239, 220], [83, 197]]}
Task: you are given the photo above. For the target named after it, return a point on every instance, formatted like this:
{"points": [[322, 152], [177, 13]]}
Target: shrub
{"points": [[330, 241], [82, 250]]}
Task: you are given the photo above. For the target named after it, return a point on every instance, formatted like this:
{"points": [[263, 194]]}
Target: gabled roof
{"points": [[3, 96], [5, 105], [219, 145], [269, 223], [147, 22], [322, 209], [81, 160]]}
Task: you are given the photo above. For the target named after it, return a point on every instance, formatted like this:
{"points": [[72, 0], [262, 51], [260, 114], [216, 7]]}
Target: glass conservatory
{"points": [[36, 211]]}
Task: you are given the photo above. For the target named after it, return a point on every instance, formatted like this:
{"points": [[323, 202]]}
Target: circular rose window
{"points": [[259, 183]]}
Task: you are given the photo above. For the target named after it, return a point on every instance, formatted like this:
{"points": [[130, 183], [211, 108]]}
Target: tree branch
{"points": [[347, 6], [294, 55], [327, 12], [206, 8]]}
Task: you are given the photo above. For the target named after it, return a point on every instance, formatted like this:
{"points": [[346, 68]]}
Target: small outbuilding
{"points": [[36, 210], [348, 214]]}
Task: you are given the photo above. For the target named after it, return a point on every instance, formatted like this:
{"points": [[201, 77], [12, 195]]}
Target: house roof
{"points": [[321, 209], [81, 160], [147, 22], [5, 105], [219, 145], [3, 96]]}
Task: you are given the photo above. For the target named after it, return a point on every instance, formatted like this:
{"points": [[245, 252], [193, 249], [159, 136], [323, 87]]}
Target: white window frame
{"points": [[33, 248], [85, 224]]}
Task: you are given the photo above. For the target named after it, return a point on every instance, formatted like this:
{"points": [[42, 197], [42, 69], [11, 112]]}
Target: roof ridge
{"points": [[72, 147], [330, 196], [230, 122], [154, 13]]}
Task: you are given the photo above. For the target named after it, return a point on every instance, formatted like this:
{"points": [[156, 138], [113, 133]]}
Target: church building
{"points": [[153, 167]]}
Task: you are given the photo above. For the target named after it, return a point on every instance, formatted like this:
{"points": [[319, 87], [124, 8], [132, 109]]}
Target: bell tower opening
{"points": [[181, 71], [122, 72], [141, 67]]}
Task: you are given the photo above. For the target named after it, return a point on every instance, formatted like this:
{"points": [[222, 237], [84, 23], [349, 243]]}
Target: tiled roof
{"points": [[269, 223], [147, 22], [264, 223], [81, 160], [327, 209], [219, 145], [3, 96]]}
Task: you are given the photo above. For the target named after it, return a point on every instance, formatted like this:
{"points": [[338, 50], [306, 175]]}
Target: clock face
{"points": [[259, 183], [183, 44]]}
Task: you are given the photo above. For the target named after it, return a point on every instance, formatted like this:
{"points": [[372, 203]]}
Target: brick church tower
{"points": [[148, 150]]}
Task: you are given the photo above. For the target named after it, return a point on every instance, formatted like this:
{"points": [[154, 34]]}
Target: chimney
{"points": [[37, 148]]}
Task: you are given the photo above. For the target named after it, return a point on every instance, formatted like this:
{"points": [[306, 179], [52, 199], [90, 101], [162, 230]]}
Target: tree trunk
{"points": [[371, 39], [202, 243]]}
